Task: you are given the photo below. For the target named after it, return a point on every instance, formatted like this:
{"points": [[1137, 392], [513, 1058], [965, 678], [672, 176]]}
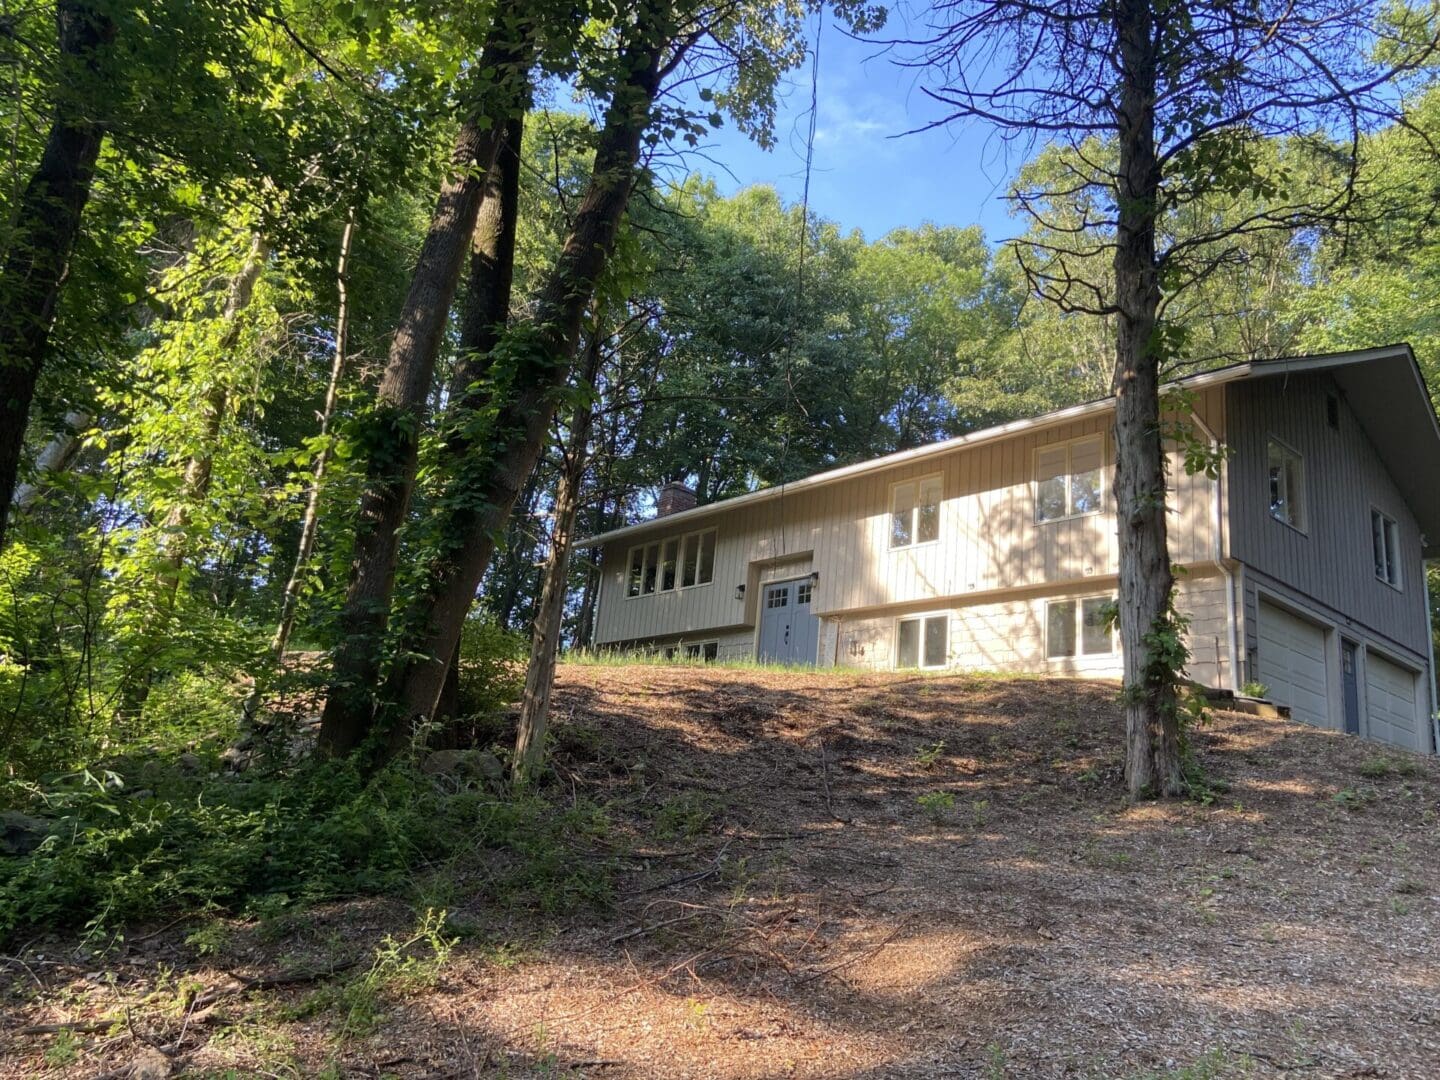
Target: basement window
{"points": [[1069, 479], [703, 650], [1078, 624], [923, 642], [1287, 484], [1385, 538]]}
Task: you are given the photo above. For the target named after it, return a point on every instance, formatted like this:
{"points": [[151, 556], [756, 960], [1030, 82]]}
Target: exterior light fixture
{"points": [[739, 592]]}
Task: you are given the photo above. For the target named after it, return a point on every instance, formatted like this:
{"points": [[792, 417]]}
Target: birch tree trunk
{"points": [[59, 452], [47, 220], [513, 445], [1152, 761], [400, 408], [290, 604], [540, 675]]}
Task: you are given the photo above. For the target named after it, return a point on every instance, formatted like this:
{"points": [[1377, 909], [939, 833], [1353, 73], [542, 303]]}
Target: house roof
{"points": [[1383, 386]]}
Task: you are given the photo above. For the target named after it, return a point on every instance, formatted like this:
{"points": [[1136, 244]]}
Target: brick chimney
{"points": [[674, 497]]}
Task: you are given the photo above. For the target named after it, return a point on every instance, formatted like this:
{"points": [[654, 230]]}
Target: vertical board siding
{"points": [[1332, 562], [1009, 635], [989, 539]]}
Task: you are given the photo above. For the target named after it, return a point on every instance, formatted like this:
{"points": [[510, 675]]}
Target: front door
{"points": [[1351, 680], [789, 631]]}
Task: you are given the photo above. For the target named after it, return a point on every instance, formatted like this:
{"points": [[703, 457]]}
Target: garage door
{"points": [[1292, 664], [1390, 702]]}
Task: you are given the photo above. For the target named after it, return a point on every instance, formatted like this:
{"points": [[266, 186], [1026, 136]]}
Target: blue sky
{"points": [[867, 174]]}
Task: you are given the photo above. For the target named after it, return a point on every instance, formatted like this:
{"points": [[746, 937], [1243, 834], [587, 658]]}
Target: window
{"points": [[915, 512], [923, 642], [777, 597], [1332, 411], [668, 554], [679, 562], [703, 650], [802, 593], [1385, 538], [1083, 622], [1069, 479], [1287, 484], [647, 578], [637, 571], [698, 564]]}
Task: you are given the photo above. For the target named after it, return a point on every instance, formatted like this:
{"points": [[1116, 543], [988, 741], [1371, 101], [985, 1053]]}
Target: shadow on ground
{"points": [[827, 875]]}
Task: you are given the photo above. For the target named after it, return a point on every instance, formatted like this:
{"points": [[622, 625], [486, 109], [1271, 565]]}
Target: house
{"points": [[1301, 567]]}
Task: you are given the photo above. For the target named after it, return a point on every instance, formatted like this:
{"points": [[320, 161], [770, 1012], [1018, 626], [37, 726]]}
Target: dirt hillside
{"points": [[821, 875]]}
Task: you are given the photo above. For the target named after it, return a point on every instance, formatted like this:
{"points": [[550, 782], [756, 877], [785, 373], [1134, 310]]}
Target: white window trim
{"points": [[659, 545], [700, 645], [1079, 653], [918, 481], [1035, 478], [920, 617], [714, 558], [1399, 582], [1303, 529]]}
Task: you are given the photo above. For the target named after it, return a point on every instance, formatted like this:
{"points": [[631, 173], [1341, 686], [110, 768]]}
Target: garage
{"points": [[1390, 702], [1292, 664]]}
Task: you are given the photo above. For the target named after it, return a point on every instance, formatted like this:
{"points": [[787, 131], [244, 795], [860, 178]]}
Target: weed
{"points": [[1212, 1065], [995, 1067], [65, 1050], [978, 812], [937, 804], [1255, 689], [1384, 766], [210, 939], [1353, 798], [927, 756], [685, 815]]}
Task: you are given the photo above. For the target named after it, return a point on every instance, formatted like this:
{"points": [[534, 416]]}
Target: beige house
{"points": [[1301, 567]]}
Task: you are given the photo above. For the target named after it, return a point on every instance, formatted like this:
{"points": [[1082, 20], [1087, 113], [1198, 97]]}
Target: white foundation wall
{"points": [[1008, 635]]}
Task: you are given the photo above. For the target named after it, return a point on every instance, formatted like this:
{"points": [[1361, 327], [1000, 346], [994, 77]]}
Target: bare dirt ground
{"points": [[785, 905]]}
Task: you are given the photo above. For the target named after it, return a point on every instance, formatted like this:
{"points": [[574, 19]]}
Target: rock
{"points": [[20, 833], [151, 1064], [189, 762]]}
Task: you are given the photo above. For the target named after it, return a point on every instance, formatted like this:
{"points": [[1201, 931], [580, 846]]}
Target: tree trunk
{"points": [[47, 220], [1152, 760], [495, 471], [59, 452], [486, 313], [540, 675], [196, 484], [399, 414], [311, 524]]}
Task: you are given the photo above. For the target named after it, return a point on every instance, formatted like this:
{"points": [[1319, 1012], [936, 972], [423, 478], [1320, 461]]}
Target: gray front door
{"points": [[789, 632], [1352, 687]]}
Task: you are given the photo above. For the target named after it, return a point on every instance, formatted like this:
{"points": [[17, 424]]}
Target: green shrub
{"points": [[262, 841]]}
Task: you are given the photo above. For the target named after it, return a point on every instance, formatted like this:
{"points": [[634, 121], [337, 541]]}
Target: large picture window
{"points": [[1078, 627], [915, 512], [1069, 479], [1287, 484], [680, 562], [923, 642]]}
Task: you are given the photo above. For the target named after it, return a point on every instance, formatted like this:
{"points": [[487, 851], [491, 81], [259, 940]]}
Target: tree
{"points": [[1184, 94]]}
